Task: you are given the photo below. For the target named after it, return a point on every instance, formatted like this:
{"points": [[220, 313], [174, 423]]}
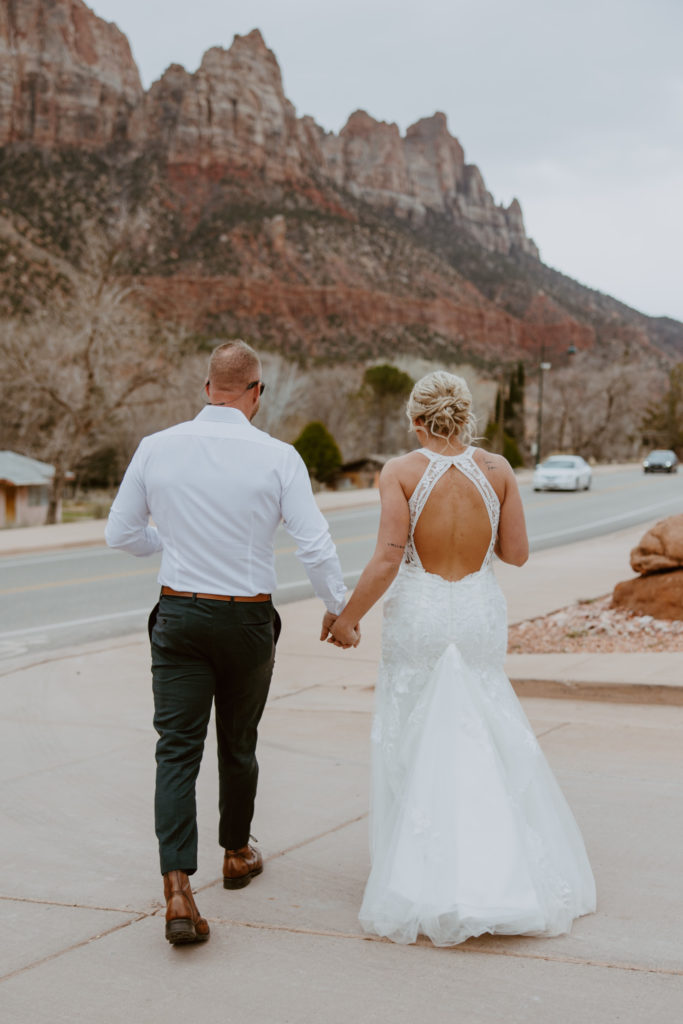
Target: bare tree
{"points": [[596, 407], [71, 376], [663, 421]]}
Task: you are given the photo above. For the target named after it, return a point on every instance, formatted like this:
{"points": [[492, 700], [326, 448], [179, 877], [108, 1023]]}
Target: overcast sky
{"points": [[573, 106]]}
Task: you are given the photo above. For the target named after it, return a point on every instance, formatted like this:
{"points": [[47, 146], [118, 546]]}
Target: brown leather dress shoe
{"points": [[183, 921], [240, 866]]}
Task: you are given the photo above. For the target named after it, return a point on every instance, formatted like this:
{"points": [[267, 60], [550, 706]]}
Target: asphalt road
{"points": [[52, 600]]}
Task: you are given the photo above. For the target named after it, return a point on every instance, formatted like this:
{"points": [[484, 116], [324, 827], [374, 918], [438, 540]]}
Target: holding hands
{"points": [[336, 630], [344, 630]]}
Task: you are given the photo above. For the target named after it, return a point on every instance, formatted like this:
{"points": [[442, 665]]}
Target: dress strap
{"points": [[434, 470], [469, 467], [436, 467]]}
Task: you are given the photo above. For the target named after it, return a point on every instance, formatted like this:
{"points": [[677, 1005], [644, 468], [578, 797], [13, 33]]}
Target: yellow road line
{"points": [[344, 540], [78, 581], [74, 582]]}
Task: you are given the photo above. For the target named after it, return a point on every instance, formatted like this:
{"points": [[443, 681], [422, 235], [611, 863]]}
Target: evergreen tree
{"points": [[510, 450], [505, 432], [514, 404], [387, 386], [319, 450]]}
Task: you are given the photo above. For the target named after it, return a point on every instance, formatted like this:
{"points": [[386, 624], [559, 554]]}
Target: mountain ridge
{"points": [[241, 217]]}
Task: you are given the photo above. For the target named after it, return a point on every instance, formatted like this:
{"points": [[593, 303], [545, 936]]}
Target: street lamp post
{"points": [[542, 367]]}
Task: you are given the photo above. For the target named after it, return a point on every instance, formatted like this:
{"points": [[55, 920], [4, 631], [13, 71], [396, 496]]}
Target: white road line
{"points": [[135, 611], [351, 574], [305, 582], [604, 522], [74, 622], [355, 513], [17, 561]]}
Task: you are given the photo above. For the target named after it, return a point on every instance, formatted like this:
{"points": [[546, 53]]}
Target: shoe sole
{"points": [[241, 880], [182, 931]]}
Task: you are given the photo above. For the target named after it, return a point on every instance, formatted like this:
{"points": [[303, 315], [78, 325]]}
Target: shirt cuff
{"points": [[336, 607]]}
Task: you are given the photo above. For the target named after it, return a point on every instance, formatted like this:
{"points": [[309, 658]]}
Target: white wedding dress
{"points": [[470, 832]]}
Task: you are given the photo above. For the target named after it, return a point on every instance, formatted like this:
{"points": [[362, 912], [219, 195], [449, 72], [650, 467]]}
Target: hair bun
{"points": [[443, 402]]}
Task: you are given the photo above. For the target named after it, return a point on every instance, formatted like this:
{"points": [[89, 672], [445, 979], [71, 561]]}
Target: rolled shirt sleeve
{"points": [[128, 523], [308, 527]]}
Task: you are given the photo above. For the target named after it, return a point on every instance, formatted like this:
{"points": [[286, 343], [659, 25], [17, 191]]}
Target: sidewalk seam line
{"points": [[70, 949], [262, 926], [293, 693], [72, 906], [296, 846], [66, 657], [70, 764], [424, 943], [552, 728]]}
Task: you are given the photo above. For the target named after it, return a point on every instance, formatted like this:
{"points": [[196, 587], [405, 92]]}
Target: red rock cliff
{"points": [[66, 76], [232, 111], [426, 170]]}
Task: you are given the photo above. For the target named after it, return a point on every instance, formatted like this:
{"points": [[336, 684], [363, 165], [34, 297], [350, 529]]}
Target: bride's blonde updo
{"points": [[444, 404]]}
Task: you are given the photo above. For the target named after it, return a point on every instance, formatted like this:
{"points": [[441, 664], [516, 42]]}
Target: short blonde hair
{"points": [[443, 402], [233, 364]]}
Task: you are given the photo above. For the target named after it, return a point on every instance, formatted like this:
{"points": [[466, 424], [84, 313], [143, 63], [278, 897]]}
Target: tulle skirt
{"points": [[470, 832]]}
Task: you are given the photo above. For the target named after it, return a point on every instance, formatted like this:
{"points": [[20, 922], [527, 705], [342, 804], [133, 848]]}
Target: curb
{"points": [[31, 549], [611, 693]]}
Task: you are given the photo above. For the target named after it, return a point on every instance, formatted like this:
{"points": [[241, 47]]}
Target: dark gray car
{"points": [[661, 460]]}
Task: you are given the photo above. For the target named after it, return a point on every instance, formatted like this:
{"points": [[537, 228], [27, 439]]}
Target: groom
{"points": [[216, 488]]}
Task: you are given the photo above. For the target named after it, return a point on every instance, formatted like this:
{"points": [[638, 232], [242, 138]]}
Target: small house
{"points": [[360, 473], [24, 490]]}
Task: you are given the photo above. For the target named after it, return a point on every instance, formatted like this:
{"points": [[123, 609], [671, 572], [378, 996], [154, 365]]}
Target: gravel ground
{"points": [[594, 627]]}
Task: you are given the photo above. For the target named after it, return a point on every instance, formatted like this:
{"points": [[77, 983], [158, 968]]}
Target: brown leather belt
{"points": [[170, 592]]}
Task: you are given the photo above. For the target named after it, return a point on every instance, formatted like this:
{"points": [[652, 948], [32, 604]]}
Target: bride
{"points": [[470, 832]]}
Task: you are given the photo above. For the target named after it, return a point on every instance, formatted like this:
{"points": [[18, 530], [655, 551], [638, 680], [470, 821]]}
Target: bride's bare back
{"points": [[452, 535], [453, 532]]}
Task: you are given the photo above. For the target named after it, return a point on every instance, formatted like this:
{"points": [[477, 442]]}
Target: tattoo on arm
{"points": [[390, 545], [489, 465]]}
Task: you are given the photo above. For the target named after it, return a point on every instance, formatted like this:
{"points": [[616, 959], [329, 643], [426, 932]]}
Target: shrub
{"points": [[510, 447], [319, 450]]}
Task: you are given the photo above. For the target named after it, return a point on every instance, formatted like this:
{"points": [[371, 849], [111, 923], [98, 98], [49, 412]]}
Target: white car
{"points": [[563, 473]]}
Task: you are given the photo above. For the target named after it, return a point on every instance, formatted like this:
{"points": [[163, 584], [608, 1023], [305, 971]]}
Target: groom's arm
{"points": [[128, 523], [315, 549]]}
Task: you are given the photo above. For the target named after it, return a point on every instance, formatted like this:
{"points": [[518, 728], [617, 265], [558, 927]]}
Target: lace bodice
{"points": [[434, 470]]}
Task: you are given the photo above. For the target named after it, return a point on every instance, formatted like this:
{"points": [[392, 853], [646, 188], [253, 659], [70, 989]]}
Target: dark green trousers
{"points": [[206, 652]]}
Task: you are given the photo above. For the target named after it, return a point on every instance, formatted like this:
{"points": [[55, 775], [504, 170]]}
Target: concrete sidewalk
{"points": [[82, 937], [83, 921]]}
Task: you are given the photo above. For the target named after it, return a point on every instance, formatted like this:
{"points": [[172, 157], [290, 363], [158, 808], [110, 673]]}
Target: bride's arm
{"points": [[512, 544], [384, 564]]}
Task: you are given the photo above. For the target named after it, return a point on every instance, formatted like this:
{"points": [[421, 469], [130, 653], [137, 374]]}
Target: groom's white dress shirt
{"points": [[216, 488]]}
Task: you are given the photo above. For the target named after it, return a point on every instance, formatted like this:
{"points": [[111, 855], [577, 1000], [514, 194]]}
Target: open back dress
{"points": [[470, 832]]}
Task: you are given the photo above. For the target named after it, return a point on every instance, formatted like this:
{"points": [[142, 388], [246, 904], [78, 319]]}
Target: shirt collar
{"points": [[222, 414]]}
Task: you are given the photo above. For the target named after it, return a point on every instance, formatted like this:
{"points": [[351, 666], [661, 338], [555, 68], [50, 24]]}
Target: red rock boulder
{"points": [[660, 548], [658, 594]]}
